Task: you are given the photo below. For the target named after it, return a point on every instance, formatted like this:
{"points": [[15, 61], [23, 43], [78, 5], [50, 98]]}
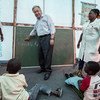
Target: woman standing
{"points": [[90, 40]]}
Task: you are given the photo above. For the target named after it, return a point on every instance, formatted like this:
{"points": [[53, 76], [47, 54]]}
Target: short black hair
{"points": [[96, 11], [13, 66], [92, 67]]}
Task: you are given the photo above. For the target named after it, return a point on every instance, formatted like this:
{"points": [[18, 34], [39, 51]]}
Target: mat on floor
{"points": [[79, 93]]}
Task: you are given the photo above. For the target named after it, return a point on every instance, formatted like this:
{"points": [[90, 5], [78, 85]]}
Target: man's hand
{"points": [[52, 42], [27, 38], [52, 38]]}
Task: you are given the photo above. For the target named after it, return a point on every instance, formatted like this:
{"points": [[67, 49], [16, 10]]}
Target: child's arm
{"points": [[23, 81], [25, 84]]}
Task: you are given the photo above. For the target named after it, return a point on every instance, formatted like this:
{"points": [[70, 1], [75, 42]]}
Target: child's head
{"points": [[91, 68], [13, 66]]}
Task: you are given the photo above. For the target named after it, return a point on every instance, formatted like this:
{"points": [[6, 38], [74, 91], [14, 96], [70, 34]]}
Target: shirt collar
{"points": [[93, 21], [41, 17], [11, 75]]}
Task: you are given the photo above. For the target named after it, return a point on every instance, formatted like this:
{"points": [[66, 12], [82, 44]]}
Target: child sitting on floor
{"points": [[90, 84], [12, 85]]}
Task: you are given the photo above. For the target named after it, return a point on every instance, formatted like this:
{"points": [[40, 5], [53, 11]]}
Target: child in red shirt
{"points": [[90, 84]]}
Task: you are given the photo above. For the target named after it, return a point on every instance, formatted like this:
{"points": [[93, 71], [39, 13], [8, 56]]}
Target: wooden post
{"points": [[43, 6], [73, 13], [14, 26], [73, 27]]}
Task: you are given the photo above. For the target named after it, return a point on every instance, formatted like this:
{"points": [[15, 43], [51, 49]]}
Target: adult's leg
{"points": [[47, 51], [49, 59], [80, 67], [41, 55], [81, 64]]}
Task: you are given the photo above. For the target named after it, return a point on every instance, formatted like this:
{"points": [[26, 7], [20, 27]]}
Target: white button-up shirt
{"points": [[90, 41], [43, 26]]}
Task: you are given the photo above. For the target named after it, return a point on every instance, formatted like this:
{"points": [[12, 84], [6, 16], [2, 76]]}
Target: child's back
{"points": [[12, 83]]}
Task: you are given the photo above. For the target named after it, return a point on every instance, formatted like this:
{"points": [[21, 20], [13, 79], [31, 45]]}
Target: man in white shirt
{"points": [[45, 30]]}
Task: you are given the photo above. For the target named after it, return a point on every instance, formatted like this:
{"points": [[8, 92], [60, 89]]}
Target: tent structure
{"points": [[18, 20]]}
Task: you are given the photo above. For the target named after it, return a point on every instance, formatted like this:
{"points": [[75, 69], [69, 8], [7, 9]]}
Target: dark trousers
{"points": [[45, 52], [81, 64]]}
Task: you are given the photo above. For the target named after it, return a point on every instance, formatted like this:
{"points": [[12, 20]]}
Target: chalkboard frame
{"points": [[27, 52]]}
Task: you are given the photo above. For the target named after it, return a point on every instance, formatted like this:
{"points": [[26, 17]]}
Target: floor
{"points": [[56, 80]]}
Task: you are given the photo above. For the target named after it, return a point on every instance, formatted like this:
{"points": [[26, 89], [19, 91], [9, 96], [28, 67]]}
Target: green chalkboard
{"points": [[27, 52]]}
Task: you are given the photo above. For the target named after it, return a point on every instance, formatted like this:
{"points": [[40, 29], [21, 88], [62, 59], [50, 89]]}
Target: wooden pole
{"points": [[73, 27], [43, 6], [14, 26], [73, 13]]}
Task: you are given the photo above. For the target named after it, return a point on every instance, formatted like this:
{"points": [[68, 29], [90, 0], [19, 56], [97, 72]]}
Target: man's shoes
{"points": [[59, 92], [47, 75], [41, 71]]}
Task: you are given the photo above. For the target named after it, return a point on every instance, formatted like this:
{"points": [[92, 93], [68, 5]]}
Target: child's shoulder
{"points": [[22, 75], [87, 77]]}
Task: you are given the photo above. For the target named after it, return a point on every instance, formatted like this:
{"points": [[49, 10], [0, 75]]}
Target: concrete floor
{"points": [[56, 80]]}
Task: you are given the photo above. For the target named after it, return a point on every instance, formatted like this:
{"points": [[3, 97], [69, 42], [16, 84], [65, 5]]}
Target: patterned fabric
{"points": [[93, 91]]}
